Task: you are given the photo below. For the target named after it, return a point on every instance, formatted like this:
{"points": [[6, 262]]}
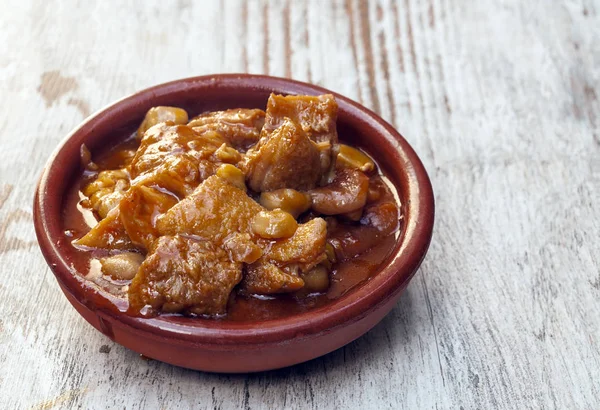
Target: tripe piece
{"points": [[287, 158], [184, 275]]}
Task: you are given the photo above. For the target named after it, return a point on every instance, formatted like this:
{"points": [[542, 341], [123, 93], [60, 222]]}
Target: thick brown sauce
{"points": [[345, 275]]}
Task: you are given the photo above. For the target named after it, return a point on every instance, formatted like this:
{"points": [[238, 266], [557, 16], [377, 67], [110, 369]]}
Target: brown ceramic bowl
{"points": [[221, 346]]}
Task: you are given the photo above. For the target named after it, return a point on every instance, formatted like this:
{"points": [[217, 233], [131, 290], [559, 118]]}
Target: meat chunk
{"points": [[306, 247], [178, 174], [140, 207], [184, 275], [353, 241], [316, 116], [240, 127], [287, 158], [213, 212], [265, 278], [175, 157], [278, 270], [347, 193]]}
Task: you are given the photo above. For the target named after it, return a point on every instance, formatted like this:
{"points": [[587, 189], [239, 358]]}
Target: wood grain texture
{"points": [[499, 98]]}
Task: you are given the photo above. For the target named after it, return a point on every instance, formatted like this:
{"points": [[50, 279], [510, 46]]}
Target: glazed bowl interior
{"points": [[356, 125]]}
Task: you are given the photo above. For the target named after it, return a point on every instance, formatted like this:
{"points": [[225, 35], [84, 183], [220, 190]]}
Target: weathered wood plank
{"points": [[500, 100]]}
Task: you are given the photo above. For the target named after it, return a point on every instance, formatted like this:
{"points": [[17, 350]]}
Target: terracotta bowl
{"points": [[221, 346]]}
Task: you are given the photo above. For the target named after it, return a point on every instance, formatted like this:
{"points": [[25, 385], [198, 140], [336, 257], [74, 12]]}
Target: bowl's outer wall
{"points": [[226, 346], [224, 358]]}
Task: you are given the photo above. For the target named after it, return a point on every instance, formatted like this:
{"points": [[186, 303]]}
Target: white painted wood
{"points": [[499, 98]]}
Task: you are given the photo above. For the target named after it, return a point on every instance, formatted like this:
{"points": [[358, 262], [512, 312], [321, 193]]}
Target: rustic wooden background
{"points": [[500, 98]]}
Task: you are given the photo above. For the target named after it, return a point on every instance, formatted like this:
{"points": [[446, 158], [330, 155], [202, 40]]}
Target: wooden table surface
{"points": [[500, 98]]}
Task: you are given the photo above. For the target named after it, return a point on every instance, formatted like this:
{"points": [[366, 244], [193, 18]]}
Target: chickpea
{"points": [[233, 175], [316, 279], [106, 202], [349, 157], [172, 307], [289, 200], [122, 266], [228, 154], [274, 224], [332, 223], [160, 114], [324, 148]]}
